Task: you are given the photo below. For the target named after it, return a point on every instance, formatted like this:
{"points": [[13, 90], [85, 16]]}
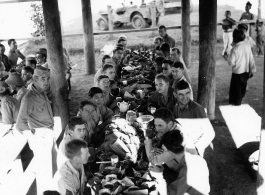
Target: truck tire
{"points": [[103, 24], [138, 21]]}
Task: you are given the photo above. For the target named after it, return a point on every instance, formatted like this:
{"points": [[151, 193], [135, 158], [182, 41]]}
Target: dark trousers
{"points": [[238, 87]]}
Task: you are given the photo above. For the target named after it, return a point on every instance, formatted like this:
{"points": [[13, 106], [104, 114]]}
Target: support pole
{"points": [[261, 170], [89, 50], [207, 50], [153, 15], [56, 59], [259, 10], [186, 36], [58, 87], [110, 19]]}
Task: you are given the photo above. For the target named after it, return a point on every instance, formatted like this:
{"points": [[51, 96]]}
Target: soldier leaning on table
{"points": [[35, 121]]}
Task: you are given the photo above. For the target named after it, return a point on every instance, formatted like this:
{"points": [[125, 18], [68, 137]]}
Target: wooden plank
{"points": [[16, 1]]}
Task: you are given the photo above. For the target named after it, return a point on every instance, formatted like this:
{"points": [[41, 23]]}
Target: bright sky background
{"points": [[15, 17]]}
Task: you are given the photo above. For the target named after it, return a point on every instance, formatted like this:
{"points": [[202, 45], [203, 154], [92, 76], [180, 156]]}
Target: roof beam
{"points": [[16, 1]]}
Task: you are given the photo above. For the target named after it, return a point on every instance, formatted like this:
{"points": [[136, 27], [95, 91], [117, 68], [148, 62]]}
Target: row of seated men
{"points": [[184, 170], [34, 118]]}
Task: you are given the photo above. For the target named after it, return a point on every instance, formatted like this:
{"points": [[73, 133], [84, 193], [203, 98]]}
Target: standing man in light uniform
{"points": [[35, 121]]}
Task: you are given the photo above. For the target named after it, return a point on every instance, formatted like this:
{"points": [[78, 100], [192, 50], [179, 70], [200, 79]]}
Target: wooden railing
{"points": [[129, 31]]}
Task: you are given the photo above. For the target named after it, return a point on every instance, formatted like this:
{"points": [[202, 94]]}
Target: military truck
{"points": [[139, 17]]}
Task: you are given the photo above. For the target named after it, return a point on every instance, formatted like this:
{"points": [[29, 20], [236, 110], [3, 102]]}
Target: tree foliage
{"points": [[38, 19]]}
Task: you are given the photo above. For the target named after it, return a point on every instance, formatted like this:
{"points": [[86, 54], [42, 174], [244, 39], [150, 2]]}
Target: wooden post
{"points": [[186, 37], [89, 50], [56, 59], [110, 19], [261, 170], [207, 50], [153, 15], [259, 10]]}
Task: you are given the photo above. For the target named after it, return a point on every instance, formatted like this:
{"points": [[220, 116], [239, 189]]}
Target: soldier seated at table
{"points": [[175, 56], [31, 61], [163, 96], [164, 121], [16, 84], [95, 95], [187, 173], [9, 105], [185, 107], [109, 71], [27, 76], [71, 178], [106, 59], [165, 49], [178, 72], [167, 70], [108, 98], [76, 129], [158, 64]]}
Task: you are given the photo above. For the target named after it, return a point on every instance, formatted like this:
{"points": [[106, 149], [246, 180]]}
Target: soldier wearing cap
{"points": [[16, 84], [35, 121], [31, 61], [248, 39], [27, 76], [41, 57], [9, 105], [36, 111]]}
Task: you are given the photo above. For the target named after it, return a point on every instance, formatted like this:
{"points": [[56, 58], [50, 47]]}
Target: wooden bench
{"points": [[13, 180]]}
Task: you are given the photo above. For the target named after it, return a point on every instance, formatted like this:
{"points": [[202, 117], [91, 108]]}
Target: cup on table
{"points": [[114, 159], [152, 110]]}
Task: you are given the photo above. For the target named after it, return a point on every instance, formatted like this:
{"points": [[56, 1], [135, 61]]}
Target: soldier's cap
{"points": [[242, 26], [3, 86], [42, 51], [30, 57], [14, 78], [122, 38], [41, 71]]}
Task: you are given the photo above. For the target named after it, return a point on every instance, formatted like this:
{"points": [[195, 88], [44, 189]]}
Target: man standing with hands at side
{"points": [[35, 121]]}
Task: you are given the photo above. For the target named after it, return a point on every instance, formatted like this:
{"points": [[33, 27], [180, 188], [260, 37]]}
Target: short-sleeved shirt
{"points": [[191, 110], [68, 178], [9, 110], [169, 40], [13, 57], [35, 111]]}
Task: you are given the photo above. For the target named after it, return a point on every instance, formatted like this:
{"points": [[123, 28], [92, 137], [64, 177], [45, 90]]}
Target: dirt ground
{"points": [[229, 173]]}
